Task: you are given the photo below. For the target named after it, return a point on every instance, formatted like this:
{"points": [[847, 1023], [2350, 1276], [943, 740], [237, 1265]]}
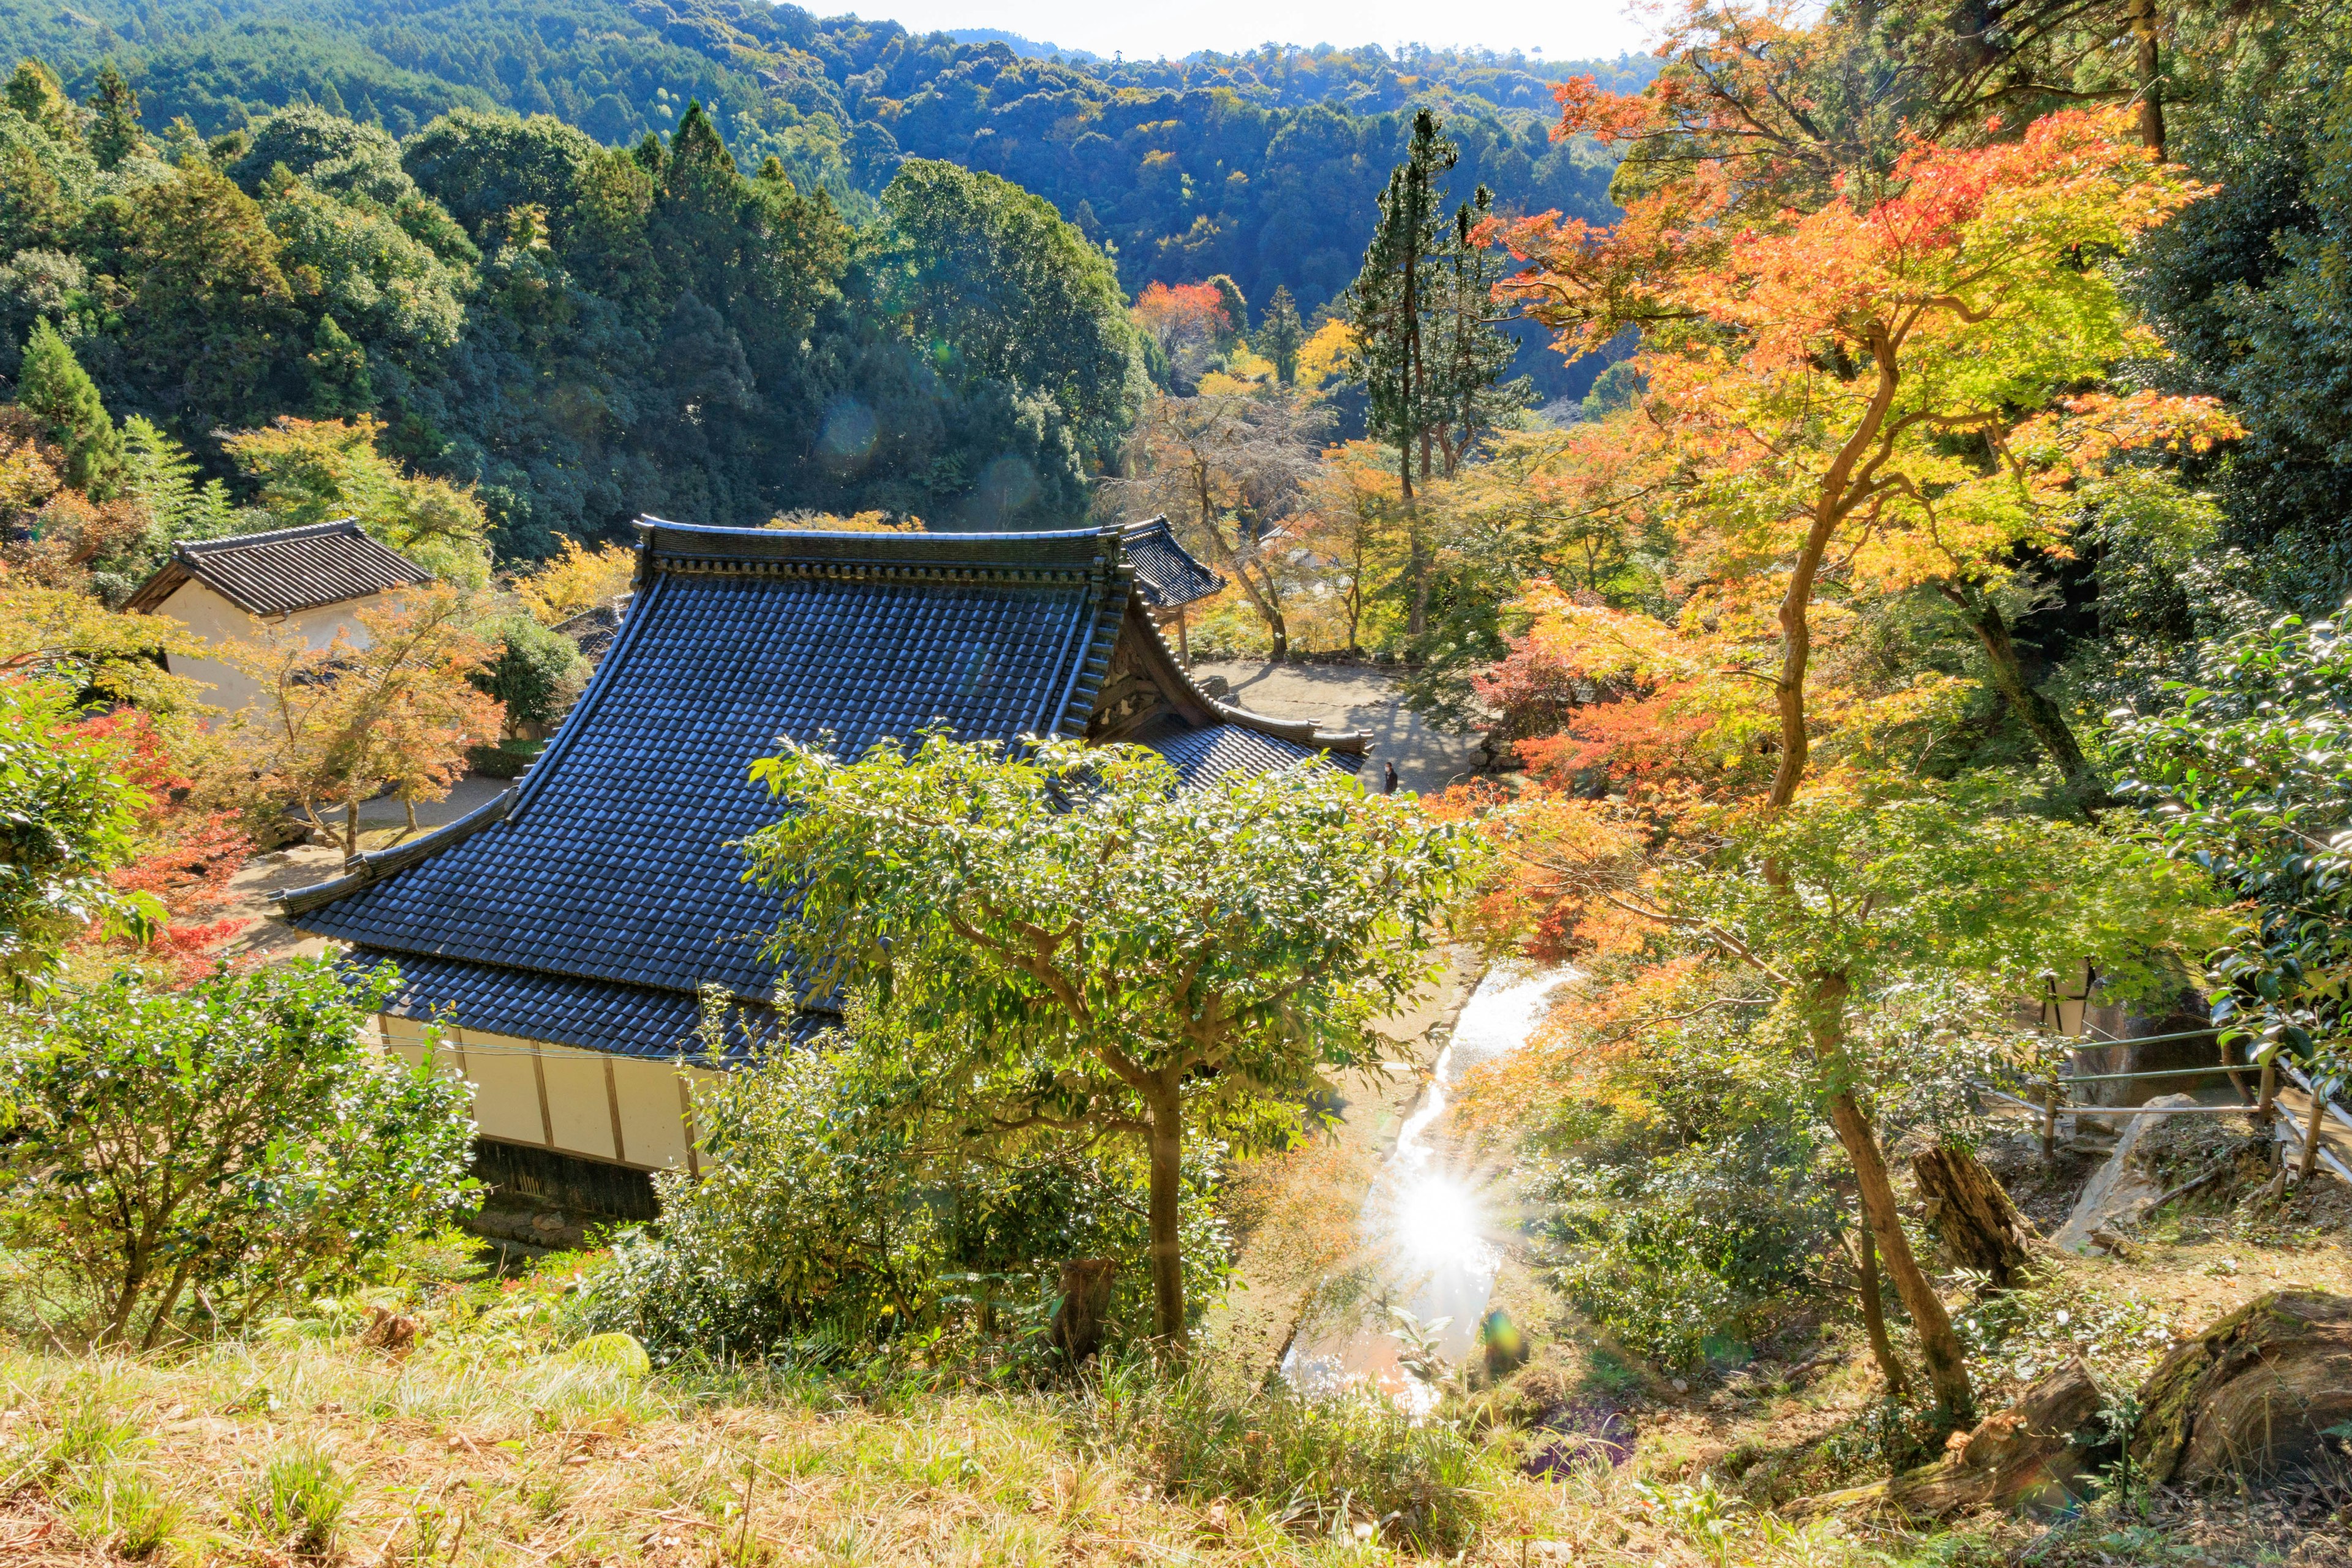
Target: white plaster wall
{"points": [[214, 620], [523, 1088]]}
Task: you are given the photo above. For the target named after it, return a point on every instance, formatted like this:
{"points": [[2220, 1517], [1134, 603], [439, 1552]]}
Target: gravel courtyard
{"points": [[1354, 697]]}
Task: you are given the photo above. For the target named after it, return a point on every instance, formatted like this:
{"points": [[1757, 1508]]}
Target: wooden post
{"points": [[2050, 1121], [2264, 1113], [2310, 1162]]}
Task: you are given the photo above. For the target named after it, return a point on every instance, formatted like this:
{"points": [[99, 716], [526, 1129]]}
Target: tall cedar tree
{"points": [[1389, 298], [1280, 335], [1467, 353], [53, 387], [114, 135]]}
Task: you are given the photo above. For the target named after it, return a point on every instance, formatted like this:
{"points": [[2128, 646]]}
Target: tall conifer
{"points": [[1282, 335], [53, 387], [114, 135], [1389, 298]]}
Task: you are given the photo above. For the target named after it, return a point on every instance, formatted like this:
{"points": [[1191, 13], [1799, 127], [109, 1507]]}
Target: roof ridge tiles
{"points": [[272, 536]]}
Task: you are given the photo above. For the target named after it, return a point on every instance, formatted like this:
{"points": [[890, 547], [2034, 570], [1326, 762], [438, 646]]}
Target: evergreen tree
{"points": [[1280, 336], [337, 371], [1236, 310], [1390, 299], [35, 92], [1467, 353], [115, 134], [53, 387]]}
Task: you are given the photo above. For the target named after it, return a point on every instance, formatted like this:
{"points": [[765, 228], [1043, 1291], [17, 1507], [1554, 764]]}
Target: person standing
{"points": [[1388, 778]]}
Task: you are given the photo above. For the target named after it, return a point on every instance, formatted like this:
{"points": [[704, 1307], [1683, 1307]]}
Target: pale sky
{"points": [[1562, 29]]}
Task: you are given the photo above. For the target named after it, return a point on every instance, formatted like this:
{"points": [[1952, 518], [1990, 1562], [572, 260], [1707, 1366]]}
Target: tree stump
{"points": [[1971, 1214], [1079, 1321], [2251, 1396], [2031, 1452]]}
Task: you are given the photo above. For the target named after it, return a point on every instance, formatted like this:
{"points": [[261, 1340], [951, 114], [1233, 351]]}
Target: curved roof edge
{"points": [[1298, 732], [362, 869]]}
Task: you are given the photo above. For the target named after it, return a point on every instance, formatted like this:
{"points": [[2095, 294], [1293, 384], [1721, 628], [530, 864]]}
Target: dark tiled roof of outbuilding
{"points": [[595, 1014], [283, 570], [1210, 751], [1166, 573], [593, 630], [589, 904]]}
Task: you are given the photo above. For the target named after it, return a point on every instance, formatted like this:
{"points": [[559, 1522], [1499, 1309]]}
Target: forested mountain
{"points": [[1262, 166]]}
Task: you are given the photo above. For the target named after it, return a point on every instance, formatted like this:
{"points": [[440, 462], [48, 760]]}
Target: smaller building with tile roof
{"points": [[307, 580]]}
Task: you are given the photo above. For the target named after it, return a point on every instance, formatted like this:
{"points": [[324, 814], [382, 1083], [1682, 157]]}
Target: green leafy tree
{"points": [[67, 816], [237, 1144], [160, 475], [2248, 773], [114, 132], [337, 370], [1855, 912], [1117, 954], [1281, 334], [843, 1189], [54, 388], [534, 670], [1002, 289]]}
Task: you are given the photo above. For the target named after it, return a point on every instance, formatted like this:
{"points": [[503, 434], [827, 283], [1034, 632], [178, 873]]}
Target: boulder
{"points": [[2255, 1394], [2122, 1190], [2030, 1454]]}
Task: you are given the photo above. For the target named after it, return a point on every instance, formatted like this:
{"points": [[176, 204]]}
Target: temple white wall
{"points": [[625, 1110], [214, 620]]}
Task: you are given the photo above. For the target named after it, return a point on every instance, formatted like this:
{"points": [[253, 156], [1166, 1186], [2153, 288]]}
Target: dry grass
{"points": [[492, 1444]]}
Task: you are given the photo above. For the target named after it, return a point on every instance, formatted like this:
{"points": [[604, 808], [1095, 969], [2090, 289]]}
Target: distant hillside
{"points": [[1027, 48], [1262, 166]]}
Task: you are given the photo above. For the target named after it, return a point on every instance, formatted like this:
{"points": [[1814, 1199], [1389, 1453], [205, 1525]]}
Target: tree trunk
{"points": [[1417, 564], [408, 804], [1167, 1143], [1971, 1214], [351, 827], [2152, 80], [1079, 1321], [2015, 1457], [1948, 1371], [2311, 1131], [2258, 1393], [1831, 504], [2035, 712], [1874, 1314]]}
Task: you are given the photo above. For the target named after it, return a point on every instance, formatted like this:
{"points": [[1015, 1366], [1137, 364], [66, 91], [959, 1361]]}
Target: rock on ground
{"points": [[2123, 1189]]}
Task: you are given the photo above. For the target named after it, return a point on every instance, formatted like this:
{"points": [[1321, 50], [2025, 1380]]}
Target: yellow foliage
{"points": [[861, 522], [1321, 357], [576, 580]]}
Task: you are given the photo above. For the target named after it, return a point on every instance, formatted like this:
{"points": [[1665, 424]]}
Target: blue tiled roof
{"points": [[1166, 573], [590, 904], [595, 1014], [1213, 750]]}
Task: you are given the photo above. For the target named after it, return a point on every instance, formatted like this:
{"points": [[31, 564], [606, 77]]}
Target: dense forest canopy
{"points": [[1261, 165]]}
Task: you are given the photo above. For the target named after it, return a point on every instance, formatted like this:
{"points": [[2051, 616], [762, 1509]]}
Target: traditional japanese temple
{"points": [[564, 932]]}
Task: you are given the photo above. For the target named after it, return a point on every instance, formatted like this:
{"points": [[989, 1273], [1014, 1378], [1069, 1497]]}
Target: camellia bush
{"points": [[218, 1150], [851, 1192]]}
